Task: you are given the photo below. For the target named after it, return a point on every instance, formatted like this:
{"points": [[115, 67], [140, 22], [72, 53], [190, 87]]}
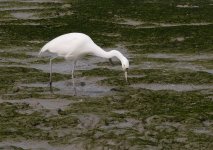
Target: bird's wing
{"points": [[69, 45]]}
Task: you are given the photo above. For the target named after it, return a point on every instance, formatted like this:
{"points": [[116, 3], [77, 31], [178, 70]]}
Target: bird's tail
{"points": [[39, 54], [42, 50]]}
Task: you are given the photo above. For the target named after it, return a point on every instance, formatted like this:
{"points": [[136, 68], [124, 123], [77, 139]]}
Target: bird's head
{"points": [[125, 67], [124, 61]]}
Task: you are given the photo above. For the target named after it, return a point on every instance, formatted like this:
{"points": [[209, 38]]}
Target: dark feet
{"points": [[51, 89]]}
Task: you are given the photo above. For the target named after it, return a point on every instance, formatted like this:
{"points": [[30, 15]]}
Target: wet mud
{"points": [[168, 104]]}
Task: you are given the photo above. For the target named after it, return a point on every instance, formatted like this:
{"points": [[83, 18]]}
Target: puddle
{"points": [[121, 127], [86, 86], [22, 15], [179, 39], [203, 131], [141, 130], [181, 57], [208, 123], [76, 144], [158, 25], [22, 8], [175, 87], [65, 67], [27, 144], [184, 62], [187, 6], [188, 66], [208, 70], [181, 139], [33, 12], [120, 111], [48, 104], [41, 105], [111, 34], [37, 16], [131, 22], [42, 1], [139, 24], [173, 124], [174, 66], [13, 62], [184, 24], [88, 121]]}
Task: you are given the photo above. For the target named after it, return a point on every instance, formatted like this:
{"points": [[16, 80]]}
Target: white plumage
{"points": [[73, 46], [69, 46]]}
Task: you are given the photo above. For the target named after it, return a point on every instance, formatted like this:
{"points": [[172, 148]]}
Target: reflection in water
{"points": [[84, 86]]}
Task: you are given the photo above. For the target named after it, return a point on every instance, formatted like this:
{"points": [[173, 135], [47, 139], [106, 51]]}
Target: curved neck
{"points": [[113, 53]]}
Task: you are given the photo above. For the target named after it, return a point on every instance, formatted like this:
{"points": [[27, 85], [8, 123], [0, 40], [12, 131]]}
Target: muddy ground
{"points": [[169, 104]]}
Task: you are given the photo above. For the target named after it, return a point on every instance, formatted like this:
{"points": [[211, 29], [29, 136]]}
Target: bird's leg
{"points": [[73, 69], [73, 80], [51, 72]]}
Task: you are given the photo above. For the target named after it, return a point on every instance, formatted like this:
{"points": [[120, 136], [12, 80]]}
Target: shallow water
{"points": [[167, 106], [175, 87]]}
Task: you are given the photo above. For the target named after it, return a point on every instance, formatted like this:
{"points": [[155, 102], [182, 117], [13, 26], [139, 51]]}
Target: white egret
{"points": [[73, 46]]}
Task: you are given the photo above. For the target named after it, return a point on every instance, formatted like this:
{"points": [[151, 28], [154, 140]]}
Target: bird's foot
{"points": [[51, 89], [75, 91], [50, 83]]}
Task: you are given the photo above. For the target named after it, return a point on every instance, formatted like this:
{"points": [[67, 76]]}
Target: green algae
{"points": [[158, 117], [14, 55], [100, 72], [139, 59], [162, 76], [205, 63], [169, 107], [196, 36], [46, 61], [15, 124], [28, 75], [20, 125], [147, 103], [12, 76]]}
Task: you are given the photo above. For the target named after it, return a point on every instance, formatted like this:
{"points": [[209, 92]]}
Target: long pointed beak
{"points": [[126, 76]]}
